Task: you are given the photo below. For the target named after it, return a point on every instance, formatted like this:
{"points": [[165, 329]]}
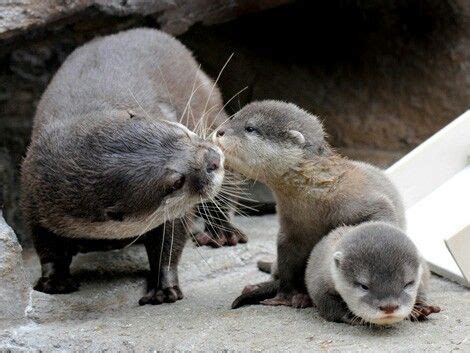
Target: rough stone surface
{"points": [[104, 314], [14, 287], [174, 16]]}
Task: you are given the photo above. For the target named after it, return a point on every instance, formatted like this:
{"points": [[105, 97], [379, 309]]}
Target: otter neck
{"points": [[313, 177]]}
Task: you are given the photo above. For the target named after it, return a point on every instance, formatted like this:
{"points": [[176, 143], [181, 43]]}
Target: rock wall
{"points": [[14, 289], [383, 75]]}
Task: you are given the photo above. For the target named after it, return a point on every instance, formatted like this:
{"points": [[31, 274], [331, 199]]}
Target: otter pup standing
{"points": [[316, 190], [109, 161]]}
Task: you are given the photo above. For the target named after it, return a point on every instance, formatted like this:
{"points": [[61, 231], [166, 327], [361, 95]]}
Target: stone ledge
{"points": [[174, 16], [14, 287]]}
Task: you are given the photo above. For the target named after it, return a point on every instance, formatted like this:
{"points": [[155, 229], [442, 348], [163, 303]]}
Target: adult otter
{"points": [[316, 189], [110, 162]]}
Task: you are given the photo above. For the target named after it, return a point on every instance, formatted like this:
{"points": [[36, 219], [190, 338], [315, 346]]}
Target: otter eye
{"points": [[115, 215], [250, 129], [178, 184], [363, 286], [409, 284]]}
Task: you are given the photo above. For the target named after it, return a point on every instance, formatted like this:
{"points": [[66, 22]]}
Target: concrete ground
{"points": [[104, 314]]}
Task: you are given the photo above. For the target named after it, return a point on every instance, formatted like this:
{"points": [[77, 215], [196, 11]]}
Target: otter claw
{"points": [[52, 285], [297, 300], [221, 238], [421, 311], [249, 288], [301, 301], [160, 296]]}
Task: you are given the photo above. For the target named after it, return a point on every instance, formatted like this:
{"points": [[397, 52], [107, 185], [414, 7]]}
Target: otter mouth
{"points": [[212, 188], [387, 320]]}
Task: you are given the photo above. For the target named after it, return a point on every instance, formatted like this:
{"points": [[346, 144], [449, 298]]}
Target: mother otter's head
{"points": [[120, 177], [266, 139]]}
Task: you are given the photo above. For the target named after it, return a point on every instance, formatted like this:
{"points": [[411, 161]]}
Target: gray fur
{"points": [[109, 160], [316, 190], [375, 254]]}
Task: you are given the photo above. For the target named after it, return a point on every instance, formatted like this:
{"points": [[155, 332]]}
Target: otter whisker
{"points": [[239, 196], [161, 252], [191, 95], [189, 109], [164, 82], [221, 109], [135, 99], [197, 249], [171, 243], [216, 80], [201, 124], [208, 218], [233, 202]]}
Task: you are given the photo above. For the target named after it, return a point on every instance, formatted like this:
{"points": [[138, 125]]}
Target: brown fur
{"points": [[316, 189]]}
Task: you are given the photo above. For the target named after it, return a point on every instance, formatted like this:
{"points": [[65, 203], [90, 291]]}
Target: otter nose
{"points": [[220, 132], [213, 161], [388, 309]]}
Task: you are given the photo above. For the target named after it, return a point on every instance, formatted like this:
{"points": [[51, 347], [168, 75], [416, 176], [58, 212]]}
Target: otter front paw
{"points": [[54, 285], [296, 300], [162, 295], [421, 311], [217, 238]]}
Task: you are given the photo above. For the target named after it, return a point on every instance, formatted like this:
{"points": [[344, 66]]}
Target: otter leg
{"points": [[219, 231], [332, 307], [55, 254], [422, 309], [291, 262], [164, 247], [253, 294]]}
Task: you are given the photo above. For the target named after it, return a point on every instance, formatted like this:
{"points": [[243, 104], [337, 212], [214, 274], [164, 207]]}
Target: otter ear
{"points": [[337, 256], [297, 136]]}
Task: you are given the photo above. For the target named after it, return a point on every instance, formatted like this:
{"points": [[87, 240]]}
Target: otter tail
{"points": [[265, 266], [256, 293]]}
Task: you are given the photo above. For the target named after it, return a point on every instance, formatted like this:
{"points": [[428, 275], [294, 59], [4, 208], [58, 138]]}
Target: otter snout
{"points": [[213, 161], [388, 309]]}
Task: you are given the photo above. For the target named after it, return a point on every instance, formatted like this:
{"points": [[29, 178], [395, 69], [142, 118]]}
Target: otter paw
{"points": [[249, 288], [301, 301], [421, 311], [162, 295], [52, 285], [280, 299], [221, 237]]}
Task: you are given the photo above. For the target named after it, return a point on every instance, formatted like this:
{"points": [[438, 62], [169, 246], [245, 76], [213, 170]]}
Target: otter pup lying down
{"points": [[369, 273], [316, 191]]}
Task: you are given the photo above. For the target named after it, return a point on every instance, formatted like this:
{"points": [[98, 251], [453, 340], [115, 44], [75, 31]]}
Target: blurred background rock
{"points": [[382, 75]]}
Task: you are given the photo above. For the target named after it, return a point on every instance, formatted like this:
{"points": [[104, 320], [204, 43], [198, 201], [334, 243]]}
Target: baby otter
{"points": [[109, 161], [316, 189], [369, 273]]}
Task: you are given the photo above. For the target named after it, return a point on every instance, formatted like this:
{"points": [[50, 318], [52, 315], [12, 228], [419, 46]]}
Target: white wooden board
{"points": [[434, 180]]}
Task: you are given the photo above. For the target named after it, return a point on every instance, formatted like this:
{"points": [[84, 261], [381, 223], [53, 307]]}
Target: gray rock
{"points": [[174, 16], [14, 287], [104, 314]]}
